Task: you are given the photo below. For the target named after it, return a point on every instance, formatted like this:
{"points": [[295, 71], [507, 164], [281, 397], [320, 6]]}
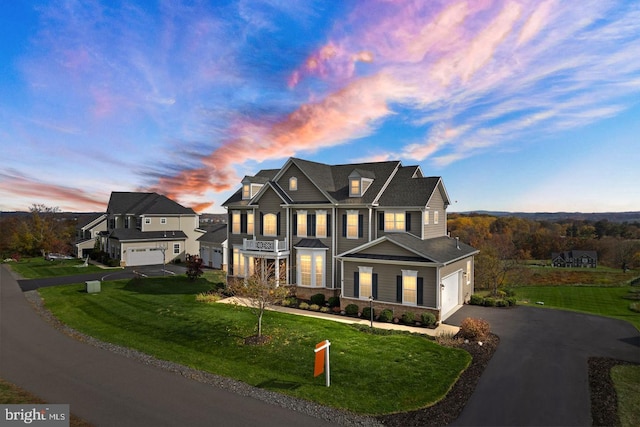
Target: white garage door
{"points": [[205, 254], [144, 256], [450, 289]]}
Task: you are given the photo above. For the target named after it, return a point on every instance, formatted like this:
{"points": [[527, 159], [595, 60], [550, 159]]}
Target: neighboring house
{"points": [[587, 259], [148, 229], [354, 231], [213, 247], [90, 227]]}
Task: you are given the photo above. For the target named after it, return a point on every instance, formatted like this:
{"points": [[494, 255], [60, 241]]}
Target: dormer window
{"points": [[246, 191], [293, 184], [359, 182], [250, 187], [354, 187]]}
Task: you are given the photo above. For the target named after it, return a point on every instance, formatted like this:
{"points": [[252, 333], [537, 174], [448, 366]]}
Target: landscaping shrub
{"points": [[489, 302], [512, 301], [289, 302], [386, 316], [324, 309], [476, 300], [366, 312], [333, 302], [474, 329], [208, 297], [304, 306], [502, 303], [318, 299], [314, 307], [428, 319], [336, 309], [635, 306], [351, 310], [409, 318]]}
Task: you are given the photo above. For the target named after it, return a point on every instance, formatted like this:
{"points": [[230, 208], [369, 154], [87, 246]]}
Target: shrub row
{"points": [[509, 301]]}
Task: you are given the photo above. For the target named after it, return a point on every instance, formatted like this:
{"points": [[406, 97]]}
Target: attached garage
{"points": [[450, 294], [143, 256]]}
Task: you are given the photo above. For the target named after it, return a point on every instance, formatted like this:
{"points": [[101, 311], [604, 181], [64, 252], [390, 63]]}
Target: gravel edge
{"points": [[331, 415]]}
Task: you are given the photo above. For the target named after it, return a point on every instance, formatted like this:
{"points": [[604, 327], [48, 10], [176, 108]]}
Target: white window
{"points": [[293, 184], [435, 217], [270, 225], [147, 220], [311, 265], [394, 221], [426, 217], [354, 187], [468, 272], [409, 287], [250, 222], [352, 224], [163, 220], [246, 191], [235, 222], [305, 270], [302, 224], [176, 248], [321, 223], [365, 282], [238, 263]]}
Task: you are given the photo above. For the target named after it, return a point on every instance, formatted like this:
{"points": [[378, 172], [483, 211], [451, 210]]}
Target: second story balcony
{"points": [[273, 246]]}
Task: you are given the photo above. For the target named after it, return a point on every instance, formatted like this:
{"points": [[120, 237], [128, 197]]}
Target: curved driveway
{"points": [[539, 374], [107, 389]]}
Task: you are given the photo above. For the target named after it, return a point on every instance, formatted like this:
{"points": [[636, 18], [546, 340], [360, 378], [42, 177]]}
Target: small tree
{"points": [[258, 292], [194, 267]]}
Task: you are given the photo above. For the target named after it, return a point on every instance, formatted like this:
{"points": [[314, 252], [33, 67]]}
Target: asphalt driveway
{"points": [[539, 374]]}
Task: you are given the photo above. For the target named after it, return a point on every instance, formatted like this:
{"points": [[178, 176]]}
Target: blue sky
{"points": [[518, 105]]}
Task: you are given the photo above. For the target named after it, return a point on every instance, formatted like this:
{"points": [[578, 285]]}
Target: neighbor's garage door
{"points": [[450, 289], [144, 256]]}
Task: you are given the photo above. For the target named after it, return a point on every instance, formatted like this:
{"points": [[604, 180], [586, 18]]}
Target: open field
{"points": [[554, 276], [370, 374], [35, 268]]}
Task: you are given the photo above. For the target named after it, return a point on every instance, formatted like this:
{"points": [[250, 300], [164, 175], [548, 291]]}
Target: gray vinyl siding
{"points": [[387, 248], [344, 243], [415, 225], [436, 204], [270, 203], [306, 192], [387, 274]]}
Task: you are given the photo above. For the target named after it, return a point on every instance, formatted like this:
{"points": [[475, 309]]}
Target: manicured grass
{"points": [[605, 301], [555, 276], [626, 379], [11, 394], [370, 374], [35, 268]]}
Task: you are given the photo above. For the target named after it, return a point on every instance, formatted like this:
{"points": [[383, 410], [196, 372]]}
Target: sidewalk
{"points": [[440, 330]]}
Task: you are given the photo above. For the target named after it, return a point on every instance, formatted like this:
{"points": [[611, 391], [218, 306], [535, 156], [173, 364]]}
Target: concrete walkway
{"points": [[440, 330]]}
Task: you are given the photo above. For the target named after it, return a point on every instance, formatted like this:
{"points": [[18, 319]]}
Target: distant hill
{"points": [[558, 216]]}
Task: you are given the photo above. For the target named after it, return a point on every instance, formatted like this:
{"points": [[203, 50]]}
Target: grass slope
{"points": [[370, 374], [605, 301], [35, 268], [626, 379]]}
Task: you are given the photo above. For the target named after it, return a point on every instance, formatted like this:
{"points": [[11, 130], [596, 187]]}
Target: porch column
{"points": [[277, 271]]}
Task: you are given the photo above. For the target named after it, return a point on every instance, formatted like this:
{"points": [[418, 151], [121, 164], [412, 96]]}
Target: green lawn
{"points": [[35, 268], [604, 301], [626, 379], [370, 374]]}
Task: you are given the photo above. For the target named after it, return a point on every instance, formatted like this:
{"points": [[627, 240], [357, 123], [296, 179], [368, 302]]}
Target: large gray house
{"points": [[354, 230]]}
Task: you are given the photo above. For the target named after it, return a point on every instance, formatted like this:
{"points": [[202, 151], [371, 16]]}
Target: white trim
{"points": [[353, 212], [303, 214]]}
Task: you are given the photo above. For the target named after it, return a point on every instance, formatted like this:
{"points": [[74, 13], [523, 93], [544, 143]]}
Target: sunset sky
{"points": [[518, 105]]}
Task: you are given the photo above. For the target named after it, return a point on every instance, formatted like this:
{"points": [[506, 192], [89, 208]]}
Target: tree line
{"points": [[43, 230], [617, 244]]}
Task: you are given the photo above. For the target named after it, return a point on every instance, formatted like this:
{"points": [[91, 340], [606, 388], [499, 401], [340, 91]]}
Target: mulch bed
{"points": [[448, 409], [604, 400]]}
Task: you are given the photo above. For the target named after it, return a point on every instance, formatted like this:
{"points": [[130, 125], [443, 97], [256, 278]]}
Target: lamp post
{"points": [[371, 310]]}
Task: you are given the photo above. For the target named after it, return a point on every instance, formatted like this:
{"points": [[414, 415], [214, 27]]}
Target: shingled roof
{"points": [[136, 203]]}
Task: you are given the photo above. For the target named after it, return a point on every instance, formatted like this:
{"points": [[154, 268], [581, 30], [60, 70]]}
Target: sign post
{"points": [[322, 360]]}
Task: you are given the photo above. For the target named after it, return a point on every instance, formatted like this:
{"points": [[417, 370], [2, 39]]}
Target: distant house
{"points": [[574, 258], [149, 228], [213, 247], [89, 228], [358, 231]]}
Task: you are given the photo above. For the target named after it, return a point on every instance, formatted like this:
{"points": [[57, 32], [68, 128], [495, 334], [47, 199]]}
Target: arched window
{"points": [[293, 184], [270, 225]]}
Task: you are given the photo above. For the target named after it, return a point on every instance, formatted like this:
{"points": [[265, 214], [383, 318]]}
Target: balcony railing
{"points": [[265, 245]]}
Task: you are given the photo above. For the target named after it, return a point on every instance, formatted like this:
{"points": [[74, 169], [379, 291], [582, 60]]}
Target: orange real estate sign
{"points": [[318, 367]]}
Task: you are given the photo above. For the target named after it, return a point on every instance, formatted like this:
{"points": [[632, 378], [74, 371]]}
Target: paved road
{"points": [[108, 274], [539, 374], [111, 390]]}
